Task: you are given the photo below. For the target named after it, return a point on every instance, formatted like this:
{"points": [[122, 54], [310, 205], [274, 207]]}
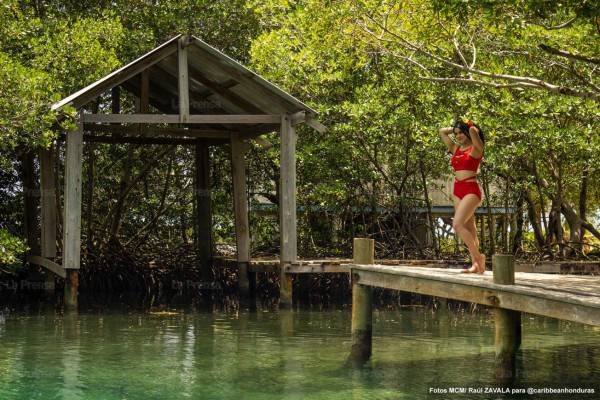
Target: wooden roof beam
{"points": [[156, 131], [300, 117], [261, 91], [175, 119], [105, 84], [224, 92]]}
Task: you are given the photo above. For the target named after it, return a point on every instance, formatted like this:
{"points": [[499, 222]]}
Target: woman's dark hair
{"points": [[464, 128]]}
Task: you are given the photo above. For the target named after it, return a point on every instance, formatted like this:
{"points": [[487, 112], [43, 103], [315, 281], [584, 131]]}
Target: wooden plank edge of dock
{"points": [[481, 291], [338, 265]]}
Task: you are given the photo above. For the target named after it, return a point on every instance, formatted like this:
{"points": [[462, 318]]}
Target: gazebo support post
{"points": [[72, 219], [240, 201], [48, 213], [203, 212], [287, 207]]}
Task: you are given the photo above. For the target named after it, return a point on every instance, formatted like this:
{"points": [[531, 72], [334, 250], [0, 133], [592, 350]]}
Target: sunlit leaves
{"points": [[25, 98], [10, 248]]}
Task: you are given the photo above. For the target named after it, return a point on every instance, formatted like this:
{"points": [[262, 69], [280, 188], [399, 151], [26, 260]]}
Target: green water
{"points": [[265, 353]]}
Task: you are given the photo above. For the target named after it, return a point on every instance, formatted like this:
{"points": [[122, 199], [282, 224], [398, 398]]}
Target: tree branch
{"points": [[566, 54], [522, 81], [555, 27]]}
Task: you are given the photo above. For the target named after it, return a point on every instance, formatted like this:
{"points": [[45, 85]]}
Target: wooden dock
{"points": [[569, 297], [342, 265]]}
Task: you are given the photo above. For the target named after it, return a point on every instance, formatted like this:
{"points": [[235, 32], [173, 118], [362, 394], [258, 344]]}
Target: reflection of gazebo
{"points": [[189, 93]]}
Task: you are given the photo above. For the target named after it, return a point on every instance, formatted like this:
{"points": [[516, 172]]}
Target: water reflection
{"points": [[256, 352], [71, 387]]}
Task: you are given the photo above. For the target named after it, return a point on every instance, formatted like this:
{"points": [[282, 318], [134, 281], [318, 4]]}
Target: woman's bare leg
{"points": [[472, 226], [464, 225]]}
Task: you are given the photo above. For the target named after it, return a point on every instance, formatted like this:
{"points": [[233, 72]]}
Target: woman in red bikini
{"points": [[467, 155]]}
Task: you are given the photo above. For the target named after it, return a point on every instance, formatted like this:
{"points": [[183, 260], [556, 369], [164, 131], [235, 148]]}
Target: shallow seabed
{"points": [[262, 352]]}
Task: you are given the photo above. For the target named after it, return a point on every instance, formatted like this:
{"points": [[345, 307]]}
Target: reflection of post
{"points": [[72, 222], [286, 316], [507, 338], [362, 303], [71, 358]]}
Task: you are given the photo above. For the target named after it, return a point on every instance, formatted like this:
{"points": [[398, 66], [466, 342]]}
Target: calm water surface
{"points": [[265, 353]]}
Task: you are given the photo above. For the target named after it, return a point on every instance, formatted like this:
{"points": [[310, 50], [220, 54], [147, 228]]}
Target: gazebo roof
{"points": [[218, 85]]}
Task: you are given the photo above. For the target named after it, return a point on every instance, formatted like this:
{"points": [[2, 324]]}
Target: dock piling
{"points": [[507, 322], [362, 303], [71, 288]]}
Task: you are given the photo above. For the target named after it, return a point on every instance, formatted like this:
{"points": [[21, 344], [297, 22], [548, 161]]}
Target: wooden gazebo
{"points": [[189, 93]]}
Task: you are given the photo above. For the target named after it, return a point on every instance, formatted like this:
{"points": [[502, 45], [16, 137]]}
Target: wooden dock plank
{"points": [[332, 265], [569, 297]]}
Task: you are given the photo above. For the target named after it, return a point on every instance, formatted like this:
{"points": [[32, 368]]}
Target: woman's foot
{"points": [[481, 264], [473, 270]]}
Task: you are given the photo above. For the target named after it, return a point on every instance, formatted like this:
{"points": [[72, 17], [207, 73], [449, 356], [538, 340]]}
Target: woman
{"points": [[467, 155]]}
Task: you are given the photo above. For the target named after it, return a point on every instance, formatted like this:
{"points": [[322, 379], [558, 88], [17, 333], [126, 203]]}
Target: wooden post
{"points": [[144, 98], [362, 303], [203, 211], [72, 220], [183, 79], [48, 206], [287, 208], [506, 337], [48, 213], [240, 201]]}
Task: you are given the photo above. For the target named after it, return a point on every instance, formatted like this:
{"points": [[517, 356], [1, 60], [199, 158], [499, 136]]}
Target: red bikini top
{"points": [[462, 160]]}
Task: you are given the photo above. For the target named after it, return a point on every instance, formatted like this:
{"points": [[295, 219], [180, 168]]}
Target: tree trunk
{"points": [[131, 184], [565, 208], [560, 235], [182, 213], [486, 191], [539, 185], [89, 195], [579, 235], [119, 206], [58, 172], [518, 237], [505, 219], [429, 211], [91, 157], [31, 196], [572, 216]]}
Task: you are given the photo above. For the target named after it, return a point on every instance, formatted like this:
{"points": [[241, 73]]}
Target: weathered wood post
{"points": [[48, 213], [287, 209], [71, 257], [507, 338], [240, 201], [362, 303], [203, 217]]}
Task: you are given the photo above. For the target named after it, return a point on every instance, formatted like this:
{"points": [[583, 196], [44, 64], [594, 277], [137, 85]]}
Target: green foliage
{"points": [[78, 52], [585, 9], [379, 74], [11, 248], [360, 64], [25, 99]]}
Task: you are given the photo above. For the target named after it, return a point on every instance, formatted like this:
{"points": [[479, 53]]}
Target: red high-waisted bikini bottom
{"points": [[463, 187]]}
